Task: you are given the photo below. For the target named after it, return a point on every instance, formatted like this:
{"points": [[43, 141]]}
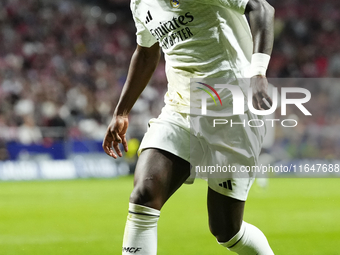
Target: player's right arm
{"points": [[143, 63]]}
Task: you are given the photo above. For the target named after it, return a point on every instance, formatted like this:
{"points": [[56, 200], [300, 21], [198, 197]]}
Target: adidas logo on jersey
{"points": [[226, 185], [148, 17]]}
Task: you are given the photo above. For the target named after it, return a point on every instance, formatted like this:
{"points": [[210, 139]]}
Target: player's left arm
{"points": [[261, 19]]}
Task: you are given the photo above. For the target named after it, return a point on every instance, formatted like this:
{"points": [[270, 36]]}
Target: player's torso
{"points": [[199, 41], [194, 35], [188, 23], [171, 22]]}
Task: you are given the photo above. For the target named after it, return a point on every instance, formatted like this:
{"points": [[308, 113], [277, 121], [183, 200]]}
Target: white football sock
{"points": [[140, 236], [249, 241]]}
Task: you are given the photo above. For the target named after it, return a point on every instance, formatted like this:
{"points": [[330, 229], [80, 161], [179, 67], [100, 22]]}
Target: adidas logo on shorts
{"points": [[226, 185]]}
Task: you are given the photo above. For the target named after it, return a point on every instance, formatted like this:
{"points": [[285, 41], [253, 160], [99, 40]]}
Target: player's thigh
{"points": [[158, 175], [225, 215]]}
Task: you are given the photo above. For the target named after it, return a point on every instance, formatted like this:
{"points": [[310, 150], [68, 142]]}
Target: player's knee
{"points": [[146, 196], [224, 232]]}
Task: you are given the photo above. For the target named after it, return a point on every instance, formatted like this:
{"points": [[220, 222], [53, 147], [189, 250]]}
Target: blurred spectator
{"points": [[3, 151], [64, 64], [28, 132]]}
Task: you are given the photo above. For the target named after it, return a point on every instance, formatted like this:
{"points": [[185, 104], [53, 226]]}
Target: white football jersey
{"points": [[199, 38]]}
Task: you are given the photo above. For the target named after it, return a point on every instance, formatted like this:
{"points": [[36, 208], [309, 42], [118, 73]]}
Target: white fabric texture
{"points": [[200, 39], [140, 236], [193, 139], [249, 241]]}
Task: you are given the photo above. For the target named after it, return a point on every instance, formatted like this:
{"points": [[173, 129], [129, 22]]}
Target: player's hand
{"points": [[115, 135], [261, 100]]}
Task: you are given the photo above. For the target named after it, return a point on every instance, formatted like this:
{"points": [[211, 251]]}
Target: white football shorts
{"points": [[218, 154]]}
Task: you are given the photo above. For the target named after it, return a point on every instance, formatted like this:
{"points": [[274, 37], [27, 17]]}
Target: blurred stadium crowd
{"points": [[63, 64]]}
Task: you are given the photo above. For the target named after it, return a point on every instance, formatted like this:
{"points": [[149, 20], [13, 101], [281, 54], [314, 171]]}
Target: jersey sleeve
{"points": [[144, 37], [236, 5]]}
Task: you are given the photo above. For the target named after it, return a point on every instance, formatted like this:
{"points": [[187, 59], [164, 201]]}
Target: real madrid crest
{"points": [[175, 3]]}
